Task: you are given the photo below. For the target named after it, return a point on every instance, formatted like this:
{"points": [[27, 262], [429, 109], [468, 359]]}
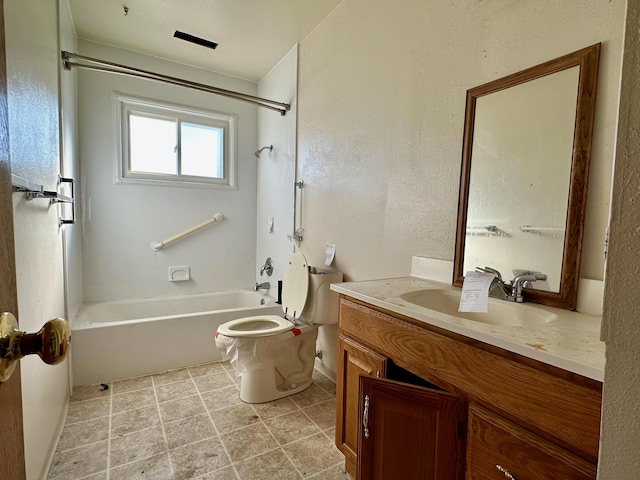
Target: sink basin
{"points": [[500, 312]]}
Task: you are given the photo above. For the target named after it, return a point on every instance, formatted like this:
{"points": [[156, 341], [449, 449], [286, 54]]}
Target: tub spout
{"points": [[261, 286]]}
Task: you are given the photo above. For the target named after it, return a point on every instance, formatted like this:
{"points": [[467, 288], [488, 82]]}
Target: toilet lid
{"points": [[295, 286]]}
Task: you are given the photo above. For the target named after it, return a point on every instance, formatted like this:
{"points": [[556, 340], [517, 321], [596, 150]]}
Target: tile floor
{"points": [[190, 424]]}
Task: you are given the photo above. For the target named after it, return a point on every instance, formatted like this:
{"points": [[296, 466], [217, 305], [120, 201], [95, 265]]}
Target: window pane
{"points": [[201, 149], [152, 143]]}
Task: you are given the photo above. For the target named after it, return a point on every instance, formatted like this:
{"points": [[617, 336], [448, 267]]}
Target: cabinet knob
{"points": [[506, 472], [51, 343]]}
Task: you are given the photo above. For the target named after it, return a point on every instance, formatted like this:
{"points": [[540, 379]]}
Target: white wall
{"points": [[72, 239], [276, 170], [121, 221], [31, 29], [381, 96], [620, 434]]}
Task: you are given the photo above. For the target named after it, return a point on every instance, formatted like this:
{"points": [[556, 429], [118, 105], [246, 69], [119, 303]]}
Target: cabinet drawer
{"points": [[493, 441]]}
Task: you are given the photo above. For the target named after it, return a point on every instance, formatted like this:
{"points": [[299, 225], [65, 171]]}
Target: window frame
{"points": [[124, 105]]}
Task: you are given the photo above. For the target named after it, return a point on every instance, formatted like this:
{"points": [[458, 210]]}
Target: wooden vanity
{"points": [[416, 401]]}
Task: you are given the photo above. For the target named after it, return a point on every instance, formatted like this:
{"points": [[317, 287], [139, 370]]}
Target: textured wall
{"points": [[32, 71], [381, 97], [381, 107], [121, 221], [620, 438]]}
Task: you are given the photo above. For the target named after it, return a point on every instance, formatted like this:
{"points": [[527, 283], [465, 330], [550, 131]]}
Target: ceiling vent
{"points": [[193, 39]]}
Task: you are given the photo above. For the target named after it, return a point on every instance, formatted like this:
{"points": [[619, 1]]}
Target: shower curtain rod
{"points": [[110, 67]]}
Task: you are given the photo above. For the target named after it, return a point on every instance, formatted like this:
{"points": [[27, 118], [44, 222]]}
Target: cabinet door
{"points": [[497, 449], [407, 432], [354, 360]]}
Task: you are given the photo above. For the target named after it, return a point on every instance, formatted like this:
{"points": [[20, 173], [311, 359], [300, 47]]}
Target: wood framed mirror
{"points": [[523, 182]]}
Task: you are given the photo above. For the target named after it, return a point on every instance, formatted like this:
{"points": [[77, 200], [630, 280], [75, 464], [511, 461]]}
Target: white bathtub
{"points": [[128, 338]]}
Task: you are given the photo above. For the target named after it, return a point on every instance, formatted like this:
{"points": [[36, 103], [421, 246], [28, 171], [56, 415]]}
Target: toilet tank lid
{"points": [[295, 285]]}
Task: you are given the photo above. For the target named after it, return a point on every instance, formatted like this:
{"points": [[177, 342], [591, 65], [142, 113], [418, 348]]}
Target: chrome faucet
{"points": [[511, 291], [261, 286]]}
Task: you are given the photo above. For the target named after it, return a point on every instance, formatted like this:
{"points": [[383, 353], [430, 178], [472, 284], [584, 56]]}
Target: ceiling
{"points": [[252, 35]]}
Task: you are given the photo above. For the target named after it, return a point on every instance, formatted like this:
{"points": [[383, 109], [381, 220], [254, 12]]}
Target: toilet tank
{"points": [[321, 306]]}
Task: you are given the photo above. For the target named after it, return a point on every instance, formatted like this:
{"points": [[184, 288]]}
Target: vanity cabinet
{"points": [[515, 416]]}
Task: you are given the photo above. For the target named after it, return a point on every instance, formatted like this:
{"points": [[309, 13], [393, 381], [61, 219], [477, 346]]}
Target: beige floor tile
{"points": [[88, 409], [206, 369], [248, 442], [233, 418], [227, 473], [198, 458], [137, 446], [134, 420], [272, 466], [181, 408], [131, 384], [330, 433], [132, 400], [97, 476], [222, 398], [334, 473], [273, 409], [79, 462], [88, 393], [171, 376], [312, 395], [154, 468], [189, 430], [207, 383], [313, 454], [84, 433], [323, 414], [173, 391], [324, 382], [291, 427]]}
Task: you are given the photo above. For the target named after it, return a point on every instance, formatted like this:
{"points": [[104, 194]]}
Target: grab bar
{"points": [[218, 217]]}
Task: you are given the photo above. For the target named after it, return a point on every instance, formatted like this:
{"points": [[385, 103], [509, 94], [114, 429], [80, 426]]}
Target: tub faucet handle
{"points": [[267, 267]]}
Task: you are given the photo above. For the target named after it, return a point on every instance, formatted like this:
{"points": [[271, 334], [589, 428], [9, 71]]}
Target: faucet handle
{"points": [[490, 270]]}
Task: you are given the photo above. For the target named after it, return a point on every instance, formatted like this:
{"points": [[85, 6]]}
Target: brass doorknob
{"points": [[51, 343]]}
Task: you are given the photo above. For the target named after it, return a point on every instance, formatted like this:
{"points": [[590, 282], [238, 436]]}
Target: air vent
{"points": [[193, 39]]}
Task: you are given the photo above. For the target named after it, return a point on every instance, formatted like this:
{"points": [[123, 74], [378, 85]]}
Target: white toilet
{"points": [[273, 354]]}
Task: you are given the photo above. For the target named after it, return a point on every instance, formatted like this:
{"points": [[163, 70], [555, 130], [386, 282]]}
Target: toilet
{"points": [[274, 355]]}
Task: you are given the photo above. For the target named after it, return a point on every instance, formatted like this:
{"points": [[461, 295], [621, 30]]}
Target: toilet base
{"points": [[258, 386]]}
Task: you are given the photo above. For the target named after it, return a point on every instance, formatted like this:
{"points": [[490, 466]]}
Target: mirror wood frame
{"points": [[587, 59]]}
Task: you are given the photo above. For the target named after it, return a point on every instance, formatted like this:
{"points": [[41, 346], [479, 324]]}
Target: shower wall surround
{"points": [[120, 221]]}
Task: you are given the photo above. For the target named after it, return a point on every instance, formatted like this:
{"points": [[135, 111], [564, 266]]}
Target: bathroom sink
{"points": [[500, 312]]}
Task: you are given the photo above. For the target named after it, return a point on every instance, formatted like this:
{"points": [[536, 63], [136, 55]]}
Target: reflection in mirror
{"points": [[522, 139], [525, 162]]}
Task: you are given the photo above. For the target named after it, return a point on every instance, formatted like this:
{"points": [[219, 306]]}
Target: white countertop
{"points": [[571, 341]]}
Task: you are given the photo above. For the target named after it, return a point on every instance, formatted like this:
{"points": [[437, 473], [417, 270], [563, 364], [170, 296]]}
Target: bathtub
{"points": [[129, 338]]}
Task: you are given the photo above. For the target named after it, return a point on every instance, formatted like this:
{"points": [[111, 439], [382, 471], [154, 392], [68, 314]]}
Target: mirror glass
{"points": [[524, 172]]}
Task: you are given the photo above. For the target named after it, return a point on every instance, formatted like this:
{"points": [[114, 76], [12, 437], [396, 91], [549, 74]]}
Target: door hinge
{"points": [[606, 243]]}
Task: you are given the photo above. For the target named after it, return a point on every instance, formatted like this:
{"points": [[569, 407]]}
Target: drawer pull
{"points": [[506, 472], [365, 416]]}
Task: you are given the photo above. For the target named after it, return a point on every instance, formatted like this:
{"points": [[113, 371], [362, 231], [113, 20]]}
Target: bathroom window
{"points": [[167, 144]]}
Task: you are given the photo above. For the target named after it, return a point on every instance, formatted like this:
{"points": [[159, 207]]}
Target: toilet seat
{"points": [[256, 326]]}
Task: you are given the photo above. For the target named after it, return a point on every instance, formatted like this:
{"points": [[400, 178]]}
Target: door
{"points": [[11, 435], [407, 432], [354, 360]]}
